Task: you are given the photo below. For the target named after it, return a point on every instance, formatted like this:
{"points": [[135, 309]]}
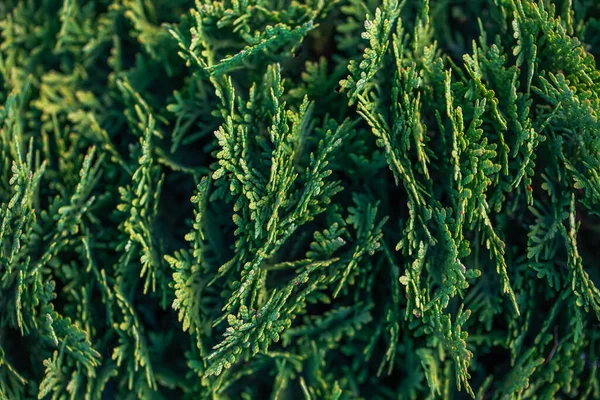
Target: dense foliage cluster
{"points": [[282, 199]]}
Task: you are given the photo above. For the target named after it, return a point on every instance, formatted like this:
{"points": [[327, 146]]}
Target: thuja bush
{"points": [[326, 199]]}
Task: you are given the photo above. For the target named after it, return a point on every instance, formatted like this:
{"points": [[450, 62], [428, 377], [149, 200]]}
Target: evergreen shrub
{"points": [[283, 199]]}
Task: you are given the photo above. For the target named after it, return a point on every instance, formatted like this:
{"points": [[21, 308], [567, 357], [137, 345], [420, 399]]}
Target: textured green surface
{"points": [[271, 199]]}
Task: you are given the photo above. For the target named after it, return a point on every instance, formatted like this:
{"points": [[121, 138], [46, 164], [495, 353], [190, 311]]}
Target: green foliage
{"points": [[327, 199]]}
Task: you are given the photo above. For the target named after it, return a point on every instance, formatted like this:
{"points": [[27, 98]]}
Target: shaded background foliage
{"points": [[279, 199]]}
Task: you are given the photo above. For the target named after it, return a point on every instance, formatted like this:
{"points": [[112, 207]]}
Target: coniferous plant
{"points": [[283, 199]]}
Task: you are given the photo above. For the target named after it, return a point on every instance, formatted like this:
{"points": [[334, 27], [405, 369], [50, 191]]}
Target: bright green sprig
{"points": [[271, 40], [140, 202], [377, 32]]}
